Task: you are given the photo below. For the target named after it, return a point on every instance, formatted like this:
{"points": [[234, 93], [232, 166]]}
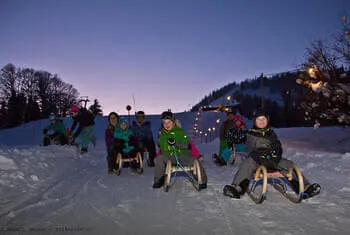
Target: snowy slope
{"points": [[50, 190], [252, 92]]}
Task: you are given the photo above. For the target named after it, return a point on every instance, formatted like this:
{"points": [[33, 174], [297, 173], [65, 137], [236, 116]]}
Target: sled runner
{"points": [[238, 154], [288, 182], [192, 172], [135, 162]]}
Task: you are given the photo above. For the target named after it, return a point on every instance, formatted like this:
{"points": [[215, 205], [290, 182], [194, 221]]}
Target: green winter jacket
{"points": [[58, 127], [180, 137]]}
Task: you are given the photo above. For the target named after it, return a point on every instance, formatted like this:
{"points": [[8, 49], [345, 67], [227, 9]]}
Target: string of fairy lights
{"points": [[209, 132]]}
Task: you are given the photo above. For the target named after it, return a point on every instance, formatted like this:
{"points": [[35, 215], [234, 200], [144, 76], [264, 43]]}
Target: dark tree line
{"points": [[27, 95], [248, 94]]}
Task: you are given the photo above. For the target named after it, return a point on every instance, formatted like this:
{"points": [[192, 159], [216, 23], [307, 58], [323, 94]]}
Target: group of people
{"points": [[128, 140], [260, 143], [57, 132], [120, 138]]}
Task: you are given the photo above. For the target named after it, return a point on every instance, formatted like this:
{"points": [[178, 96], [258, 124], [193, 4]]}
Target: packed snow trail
{"points": [[52, 190]]}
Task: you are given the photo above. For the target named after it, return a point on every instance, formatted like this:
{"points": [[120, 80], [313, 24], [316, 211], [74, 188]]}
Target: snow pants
{"points": [[85, 135], [185, 160], [248, 167]]}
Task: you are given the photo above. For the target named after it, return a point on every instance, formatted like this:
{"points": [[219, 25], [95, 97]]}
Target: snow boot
{"points": [[232, 191], [150, 163], [83, 150], [219, 161], [202, 186], [158, 183], [311, 190]]}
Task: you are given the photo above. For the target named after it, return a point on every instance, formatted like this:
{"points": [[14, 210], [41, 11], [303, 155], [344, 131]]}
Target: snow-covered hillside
{"points": [[50, 190]]}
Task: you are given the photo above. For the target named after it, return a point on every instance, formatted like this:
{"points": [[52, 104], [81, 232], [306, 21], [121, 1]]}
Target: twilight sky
{"points": [[164, 53]]}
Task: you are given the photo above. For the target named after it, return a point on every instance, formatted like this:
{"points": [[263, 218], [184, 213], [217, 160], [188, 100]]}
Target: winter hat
{"points": [[167, 115], [238, 118], [52, 117], [122, 121], [140, 113], [261, 112], [74, 109], [230, 111]]}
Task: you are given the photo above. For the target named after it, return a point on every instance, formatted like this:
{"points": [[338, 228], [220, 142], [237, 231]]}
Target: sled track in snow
{"points": [[67, 186]]}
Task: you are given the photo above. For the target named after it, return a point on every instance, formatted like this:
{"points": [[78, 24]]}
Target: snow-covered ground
{"points": [[50, 190]]}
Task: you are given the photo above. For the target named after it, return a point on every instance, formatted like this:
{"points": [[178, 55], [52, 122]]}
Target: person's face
{"points": [[123, 126], [230, 116], [74, 114], [140, 118], [113, 119], [238, 123], [261, 122], [53, 121], [168, 124]]}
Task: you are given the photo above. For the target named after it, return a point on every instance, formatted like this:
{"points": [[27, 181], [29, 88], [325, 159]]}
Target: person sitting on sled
{"points": [[86, 122], [112, 149], [59, 132], [194, 151], [263, 148], [171, 131], [142, 129], [232, 135], [128, 142], [236, 136]]}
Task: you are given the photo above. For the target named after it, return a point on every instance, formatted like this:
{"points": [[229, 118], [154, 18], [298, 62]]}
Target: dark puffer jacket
{"points": [[264, 147], [142, 130], [84, 118]]}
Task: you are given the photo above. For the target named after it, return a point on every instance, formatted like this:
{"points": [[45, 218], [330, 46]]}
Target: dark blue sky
{"points": [[165, 53]]}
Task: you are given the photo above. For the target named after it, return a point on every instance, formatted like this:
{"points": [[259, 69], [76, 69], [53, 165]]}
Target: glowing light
{"points": [[312, 72], [209, 129], [228, 97], [218, 120], [213, 128]]}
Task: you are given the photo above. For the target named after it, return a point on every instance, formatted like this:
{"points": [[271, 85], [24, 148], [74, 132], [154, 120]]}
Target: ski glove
{"points": [[270, 160]]}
